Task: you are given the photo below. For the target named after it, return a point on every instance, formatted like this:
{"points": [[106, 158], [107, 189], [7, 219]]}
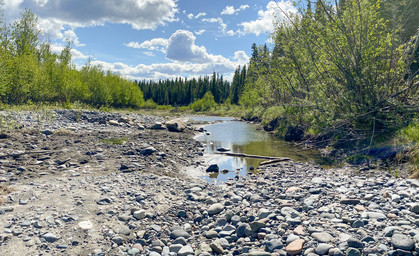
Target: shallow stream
{"points": [[248, 138]]}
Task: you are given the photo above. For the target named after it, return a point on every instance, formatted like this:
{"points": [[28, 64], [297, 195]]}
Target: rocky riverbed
{"points": [[92, 183]]}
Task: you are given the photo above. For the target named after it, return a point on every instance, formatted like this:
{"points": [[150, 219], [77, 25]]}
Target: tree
{"points": [[25, 33]]}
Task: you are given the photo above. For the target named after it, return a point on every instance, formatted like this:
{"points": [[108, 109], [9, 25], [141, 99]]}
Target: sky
{"points": [[156, 39]]}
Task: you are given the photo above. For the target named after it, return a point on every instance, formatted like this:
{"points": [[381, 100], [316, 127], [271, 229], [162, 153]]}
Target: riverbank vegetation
{"points": [[31, 73], [343, 76]]}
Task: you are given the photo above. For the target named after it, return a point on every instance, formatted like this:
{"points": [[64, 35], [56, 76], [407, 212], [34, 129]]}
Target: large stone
{"points": [[175, 125], [148, 151], [400, 241], [415, 208], [216, 247], [213, 168], [295, 247], [215, 209]]}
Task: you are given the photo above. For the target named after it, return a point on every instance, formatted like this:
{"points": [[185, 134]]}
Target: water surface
{"points": [[243, 137]]}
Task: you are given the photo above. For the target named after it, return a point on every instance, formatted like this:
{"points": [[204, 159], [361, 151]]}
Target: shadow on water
{"points": [[243, 137]]}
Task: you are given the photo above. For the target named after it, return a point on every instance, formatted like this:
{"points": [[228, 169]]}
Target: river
{"points": [[248, 138]]}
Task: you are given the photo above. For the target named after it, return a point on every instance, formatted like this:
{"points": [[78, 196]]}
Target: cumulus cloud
{"points": [[185, 58], [75, 55], [173, 69], [155, 44], [71, 36], [265, 22], [229, 10], [181, 47], [55, 15]]}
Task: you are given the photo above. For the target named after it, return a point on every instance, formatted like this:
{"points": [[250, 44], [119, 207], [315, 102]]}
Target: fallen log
{"points": [[279, 159], [274, 161]]}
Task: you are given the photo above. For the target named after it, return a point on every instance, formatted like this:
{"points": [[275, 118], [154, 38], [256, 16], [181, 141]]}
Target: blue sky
{"points": [[156, 39]]}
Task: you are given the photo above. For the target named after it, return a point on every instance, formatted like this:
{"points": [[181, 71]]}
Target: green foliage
{"points": [[31, 73], [337, 72], [206, 103]]}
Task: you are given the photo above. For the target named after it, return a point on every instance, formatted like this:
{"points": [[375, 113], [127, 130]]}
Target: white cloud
{"points": [[265, 22], [54, 15], [75, 54], [155, 44], [181, 47], [200, 32], [184, 56], [222, 25], [71, 36], [192, 16], [229, 10], [174, 69]]}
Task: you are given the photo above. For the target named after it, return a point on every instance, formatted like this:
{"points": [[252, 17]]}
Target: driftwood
{"points": [[274, 161], [25, 153], [273, 158]]}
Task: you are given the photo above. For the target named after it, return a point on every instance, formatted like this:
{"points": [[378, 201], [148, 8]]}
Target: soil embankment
{"points": [[91, 183]]}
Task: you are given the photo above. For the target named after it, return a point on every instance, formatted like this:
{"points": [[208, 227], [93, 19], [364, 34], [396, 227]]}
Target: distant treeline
{"points": [[183, 91]]}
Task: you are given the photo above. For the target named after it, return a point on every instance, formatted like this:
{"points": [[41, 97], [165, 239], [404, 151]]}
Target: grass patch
{"points": [[5, 190], [115, 141], [410, 136]]}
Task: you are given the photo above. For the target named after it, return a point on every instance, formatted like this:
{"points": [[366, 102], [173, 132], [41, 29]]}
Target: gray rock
{"points": [[175, 248], [373, 215], [215, 209], [323, 237], [415, 208], [273, 245], [179, 232], [355, 243], [185, 251], [118, 240], [50, 237], [353, 252], [323, 249], [148, 151], [175, 125], [400, 241]]}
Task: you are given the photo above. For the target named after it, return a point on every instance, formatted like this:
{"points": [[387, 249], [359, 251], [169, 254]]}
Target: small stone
{"points": [[185, 251], [50, 237], [350, 201], [273, 245], [353, 252], [323, 237], [323, 248], [295, 247], [139, 215], [179, 232], [258, 253], [213, 168], [86, 225], [216, 247], [148, 151]]}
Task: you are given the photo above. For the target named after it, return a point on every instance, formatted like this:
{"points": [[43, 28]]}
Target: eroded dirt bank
{"points": [[91, 183]]}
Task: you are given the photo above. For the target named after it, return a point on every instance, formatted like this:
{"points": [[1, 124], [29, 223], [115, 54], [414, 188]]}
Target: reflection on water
{"points": [[242, 137]]}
